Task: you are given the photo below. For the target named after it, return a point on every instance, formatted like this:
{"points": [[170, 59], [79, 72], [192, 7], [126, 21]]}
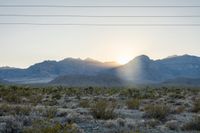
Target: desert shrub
{"points": [[196, 106], [50, 102], [130, 92], [192, 125], [103, 109], [148, 93], [176, 96], [179, 109], [84, 103], [127, 131], [133, 103], [89, 91], [36, 99], [4, 108], [157, 111], [11, 126], [41, 126], [153, 123], [50, 112], [52, 129], [22, 110], [172, 125], [56, 96], [12, 98], [14, 110]]}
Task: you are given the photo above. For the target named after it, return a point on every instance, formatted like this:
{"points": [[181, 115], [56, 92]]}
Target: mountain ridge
{"points": [[141, 69]]}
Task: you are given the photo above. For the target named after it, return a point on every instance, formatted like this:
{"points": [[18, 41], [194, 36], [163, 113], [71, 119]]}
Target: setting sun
{"points": [[123, 60]]}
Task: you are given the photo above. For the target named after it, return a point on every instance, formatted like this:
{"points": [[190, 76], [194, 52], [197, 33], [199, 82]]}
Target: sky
{"points": [[24, 45]]}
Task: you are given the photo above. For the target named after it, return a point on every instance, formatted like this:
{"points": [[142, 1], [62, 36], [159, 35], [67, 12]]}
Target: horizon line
{"points": [[84, 59]]}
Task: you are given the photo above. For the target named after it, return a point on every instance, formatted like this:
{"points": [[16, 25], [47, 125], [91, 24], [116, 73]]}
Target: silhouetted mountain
{"points": [[140, 70], [3, 81], [6, 68], [88, 80], [48, 70], [183, 81]]}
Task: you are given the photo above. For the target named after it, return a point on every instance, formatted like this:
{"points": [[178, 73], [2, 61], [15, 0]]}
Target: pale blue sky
{"points": [[22, 45]]}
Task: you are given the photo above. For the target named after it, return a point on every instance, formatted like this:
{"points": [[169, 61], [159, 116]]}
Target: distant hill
{"points": [[183, 81], [140, 70], [88, 80], [3, 81], [143, 69], [48, 70]]}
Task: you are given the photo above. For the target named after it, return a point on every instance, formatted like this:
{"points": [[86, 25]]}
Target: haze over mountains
{"points": [[77, 72]]}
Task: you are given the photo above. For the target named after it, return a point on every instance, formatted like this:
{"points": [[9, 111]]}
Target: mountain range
{"points": [[89, 72]]}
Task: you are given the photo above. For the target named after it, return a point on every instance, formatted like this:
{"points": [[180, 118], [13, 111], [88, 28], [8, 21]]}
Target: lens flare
{"points": [[123, 60]]}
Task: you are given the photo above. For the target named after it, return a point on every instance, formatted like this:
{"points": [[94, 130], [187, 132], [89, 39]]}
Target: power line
{"points": [[96, 24], [89, 16], [104, 6]]}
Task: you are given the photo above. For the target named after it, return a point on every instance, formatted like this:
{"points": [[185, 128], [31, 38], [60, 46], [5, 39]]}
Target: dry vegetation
{"points": [[133, 103], [158, 111], [26, 109], [103, 109]]}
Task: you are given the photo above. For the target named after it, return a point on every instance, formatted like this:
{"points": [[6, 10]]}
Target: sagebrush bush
{"points": [[56, 96], [103, 109], [50, 102], [4, 108], [133, 104], [157, 111], [179, 110], [84, 103], [14, 110], [44, 127], [192, 125], [36, 99], [176, 96], [22, 110], [12, 98], [196, 106], [51, 112]]}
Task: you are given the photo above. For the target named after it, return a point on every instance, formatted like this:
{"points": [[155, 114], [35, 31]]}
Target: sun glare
{"points": [[123, 60]]}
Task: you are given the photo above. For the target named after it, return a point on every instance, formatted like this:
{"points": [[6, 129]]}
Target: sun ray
{"points": [[123, 59]]}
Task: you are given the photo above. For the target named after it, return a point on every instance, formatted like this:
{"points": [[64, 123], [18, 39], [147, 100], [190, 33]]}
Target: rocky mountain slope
{"points": [[140, 70], [48, 70]]}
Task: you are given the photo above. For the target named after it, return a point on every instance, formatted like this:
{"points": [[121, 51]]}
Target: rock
{"points": [[121, 122], [172, 125], [2, 127]]}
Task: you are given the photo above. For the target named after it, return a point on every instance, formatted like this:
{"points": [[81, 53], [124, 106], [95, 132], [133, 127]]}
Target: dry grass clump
{"points": [[12, 98], [84, 103], [50, 102], [22, 110], [175, 95], [51, 112], [179, 110], [6, 109], [196, 106], [40, 126], [56, 96], [103, 109], [192, 125], [172, 125], [159, 112], [36, 99], [133, 104]]}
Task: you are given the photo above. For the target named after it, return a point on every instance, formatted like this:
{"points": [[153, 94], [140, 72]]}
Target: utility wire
{"points": [[97, 24], [91, 16], [105, 6]]}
